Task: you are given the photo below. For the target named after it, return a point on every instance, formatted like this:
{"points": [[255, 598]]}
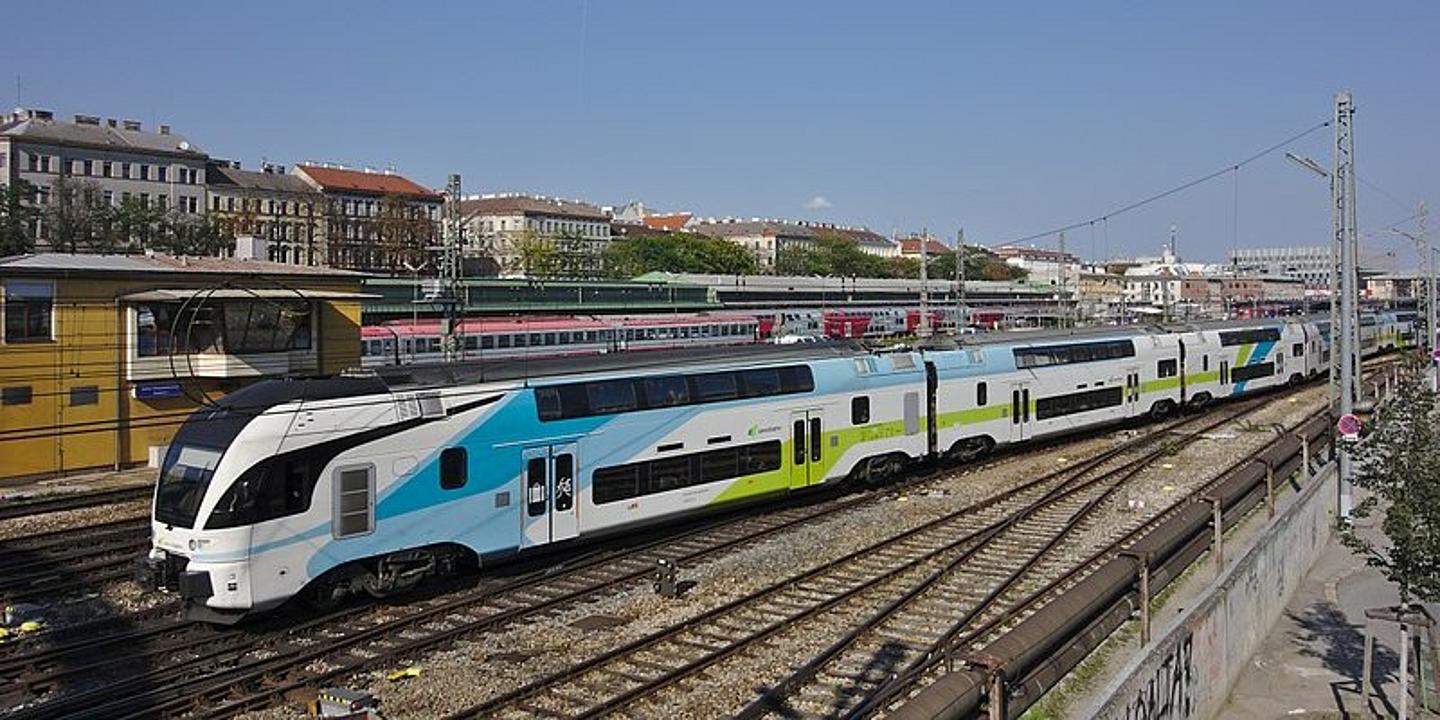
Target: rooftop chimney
{"points": [[164, 129], [131, 125], [87, 120], [110, 122]]}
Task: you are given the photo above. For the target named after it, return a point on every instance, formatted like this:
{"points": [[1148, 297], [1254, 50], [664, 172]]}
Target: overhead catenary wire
{"points": [[1104, 218]]}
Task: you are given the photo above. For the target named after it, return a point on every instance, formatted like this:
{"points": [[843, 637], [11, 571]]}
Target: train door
{"points": [[807, 449], [1020, 418], [1132, 390], [549, 478]]}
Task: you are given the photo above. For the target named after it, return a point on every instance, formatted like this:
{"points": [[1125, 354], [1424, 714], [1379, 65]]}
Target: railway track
{"points": [[973, 557], [60, 562], [172, 667], [72, 501]]}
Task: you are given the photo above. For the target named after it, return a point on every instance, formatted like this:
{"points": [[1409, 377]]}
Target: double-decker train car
{"points": [[369, 484]]}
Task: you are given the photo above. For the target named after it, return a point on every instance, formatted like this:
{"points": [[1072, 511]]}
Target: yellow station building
{"points": [[103, 356]]}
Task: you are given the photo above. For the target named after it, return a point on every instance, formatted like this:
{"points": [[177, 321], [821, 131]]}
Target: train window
{"points": [[621, 482], [760, 457], [550, 338], [719, 465], [797, 437], [1250, 372], [472, 342], [1255, 335], [1060, 405], [1042, 356], [760, 383], [519, 340], [454, 468], [669, 474], [1297, 349], [535, 339], [564, 482], [535, 487], [982, 394], [666, 391], [611, 396], [714, 387], [434, 345], [859, 410], [1167, 368], [354, 513], [1205, 362], [487, 342], [574, 400], [615, 483], [503, 341]]}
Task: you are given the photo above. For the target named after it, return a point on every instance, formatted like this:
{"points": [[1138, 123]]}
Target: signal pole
{"points": [[923, 329], [1344, 316], [450, 269], [961, 321], [1427, 271]]}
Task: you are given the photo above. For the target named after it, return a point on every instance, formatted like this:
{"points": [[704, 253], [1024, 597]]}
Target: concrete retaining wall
{"points": [[1189, 667]]}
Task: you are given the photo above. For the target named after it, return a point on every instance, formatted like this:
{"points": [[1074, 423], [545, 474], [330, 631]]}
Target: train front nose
{"points": [[167, 568]]}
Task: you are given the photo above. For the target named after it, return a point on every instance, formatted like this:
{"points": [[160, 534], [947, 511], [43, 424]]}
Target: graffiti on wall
{"points": [[1170, 693]]}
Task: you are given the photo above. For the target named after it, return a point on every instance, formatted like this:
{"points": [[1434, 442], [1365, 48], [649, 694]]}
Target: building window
{"points": [[125, 170], [28, 306], [106, 168], [144, 172], [15, 395], [160, 172], [84, 395]]}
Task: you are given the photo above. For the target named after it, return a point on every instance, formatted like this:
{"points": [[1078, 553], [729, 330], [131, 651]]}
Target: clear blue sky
{"points": [[1008, 119]]}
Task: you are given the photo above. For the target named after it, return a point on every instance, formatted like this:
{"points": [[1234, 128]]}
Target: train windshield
{"points": [[183, 479]]}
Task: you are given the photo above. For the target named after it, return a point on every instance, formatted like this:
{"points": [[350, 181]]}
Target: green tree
{"points": [[533, 255], [76, 217], [135, 224], [183, 234], [1397, 462], [678, 252], [830, 256], [979, 265], [17, 218]]}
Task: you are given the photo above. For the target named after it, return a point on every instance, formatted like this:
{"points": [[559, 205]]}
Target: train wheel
{"points": [[971, 449]]}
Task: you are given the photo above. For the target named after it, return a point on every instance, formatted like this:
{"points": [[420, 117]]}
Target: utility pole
{"points": [[1344, 318], [923, 329], [451, 252], [1060, 282], [1428, 278], [961, 321]]}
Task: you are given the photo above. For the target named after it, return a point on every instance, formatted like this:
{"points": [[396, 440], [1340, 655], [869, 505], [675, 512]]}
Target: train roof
{"points": [[525, 369], [554, 322]]}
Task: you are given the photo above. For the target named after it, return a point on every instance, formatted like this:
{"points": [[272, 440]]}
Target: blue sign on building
{"points": [[157, 390]]}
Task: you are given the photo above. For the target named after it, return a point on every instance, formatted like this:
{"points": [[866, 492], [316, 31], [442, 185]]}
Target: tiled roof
{"points": [[672, 222], [530, 205], [763, 228], [100, 136], [56, 263], [225, 176], [359, 181]]}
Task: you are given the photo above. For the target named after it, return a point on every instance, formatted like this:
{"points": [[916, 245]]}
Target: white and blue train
{"points": [[331, 487]]}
